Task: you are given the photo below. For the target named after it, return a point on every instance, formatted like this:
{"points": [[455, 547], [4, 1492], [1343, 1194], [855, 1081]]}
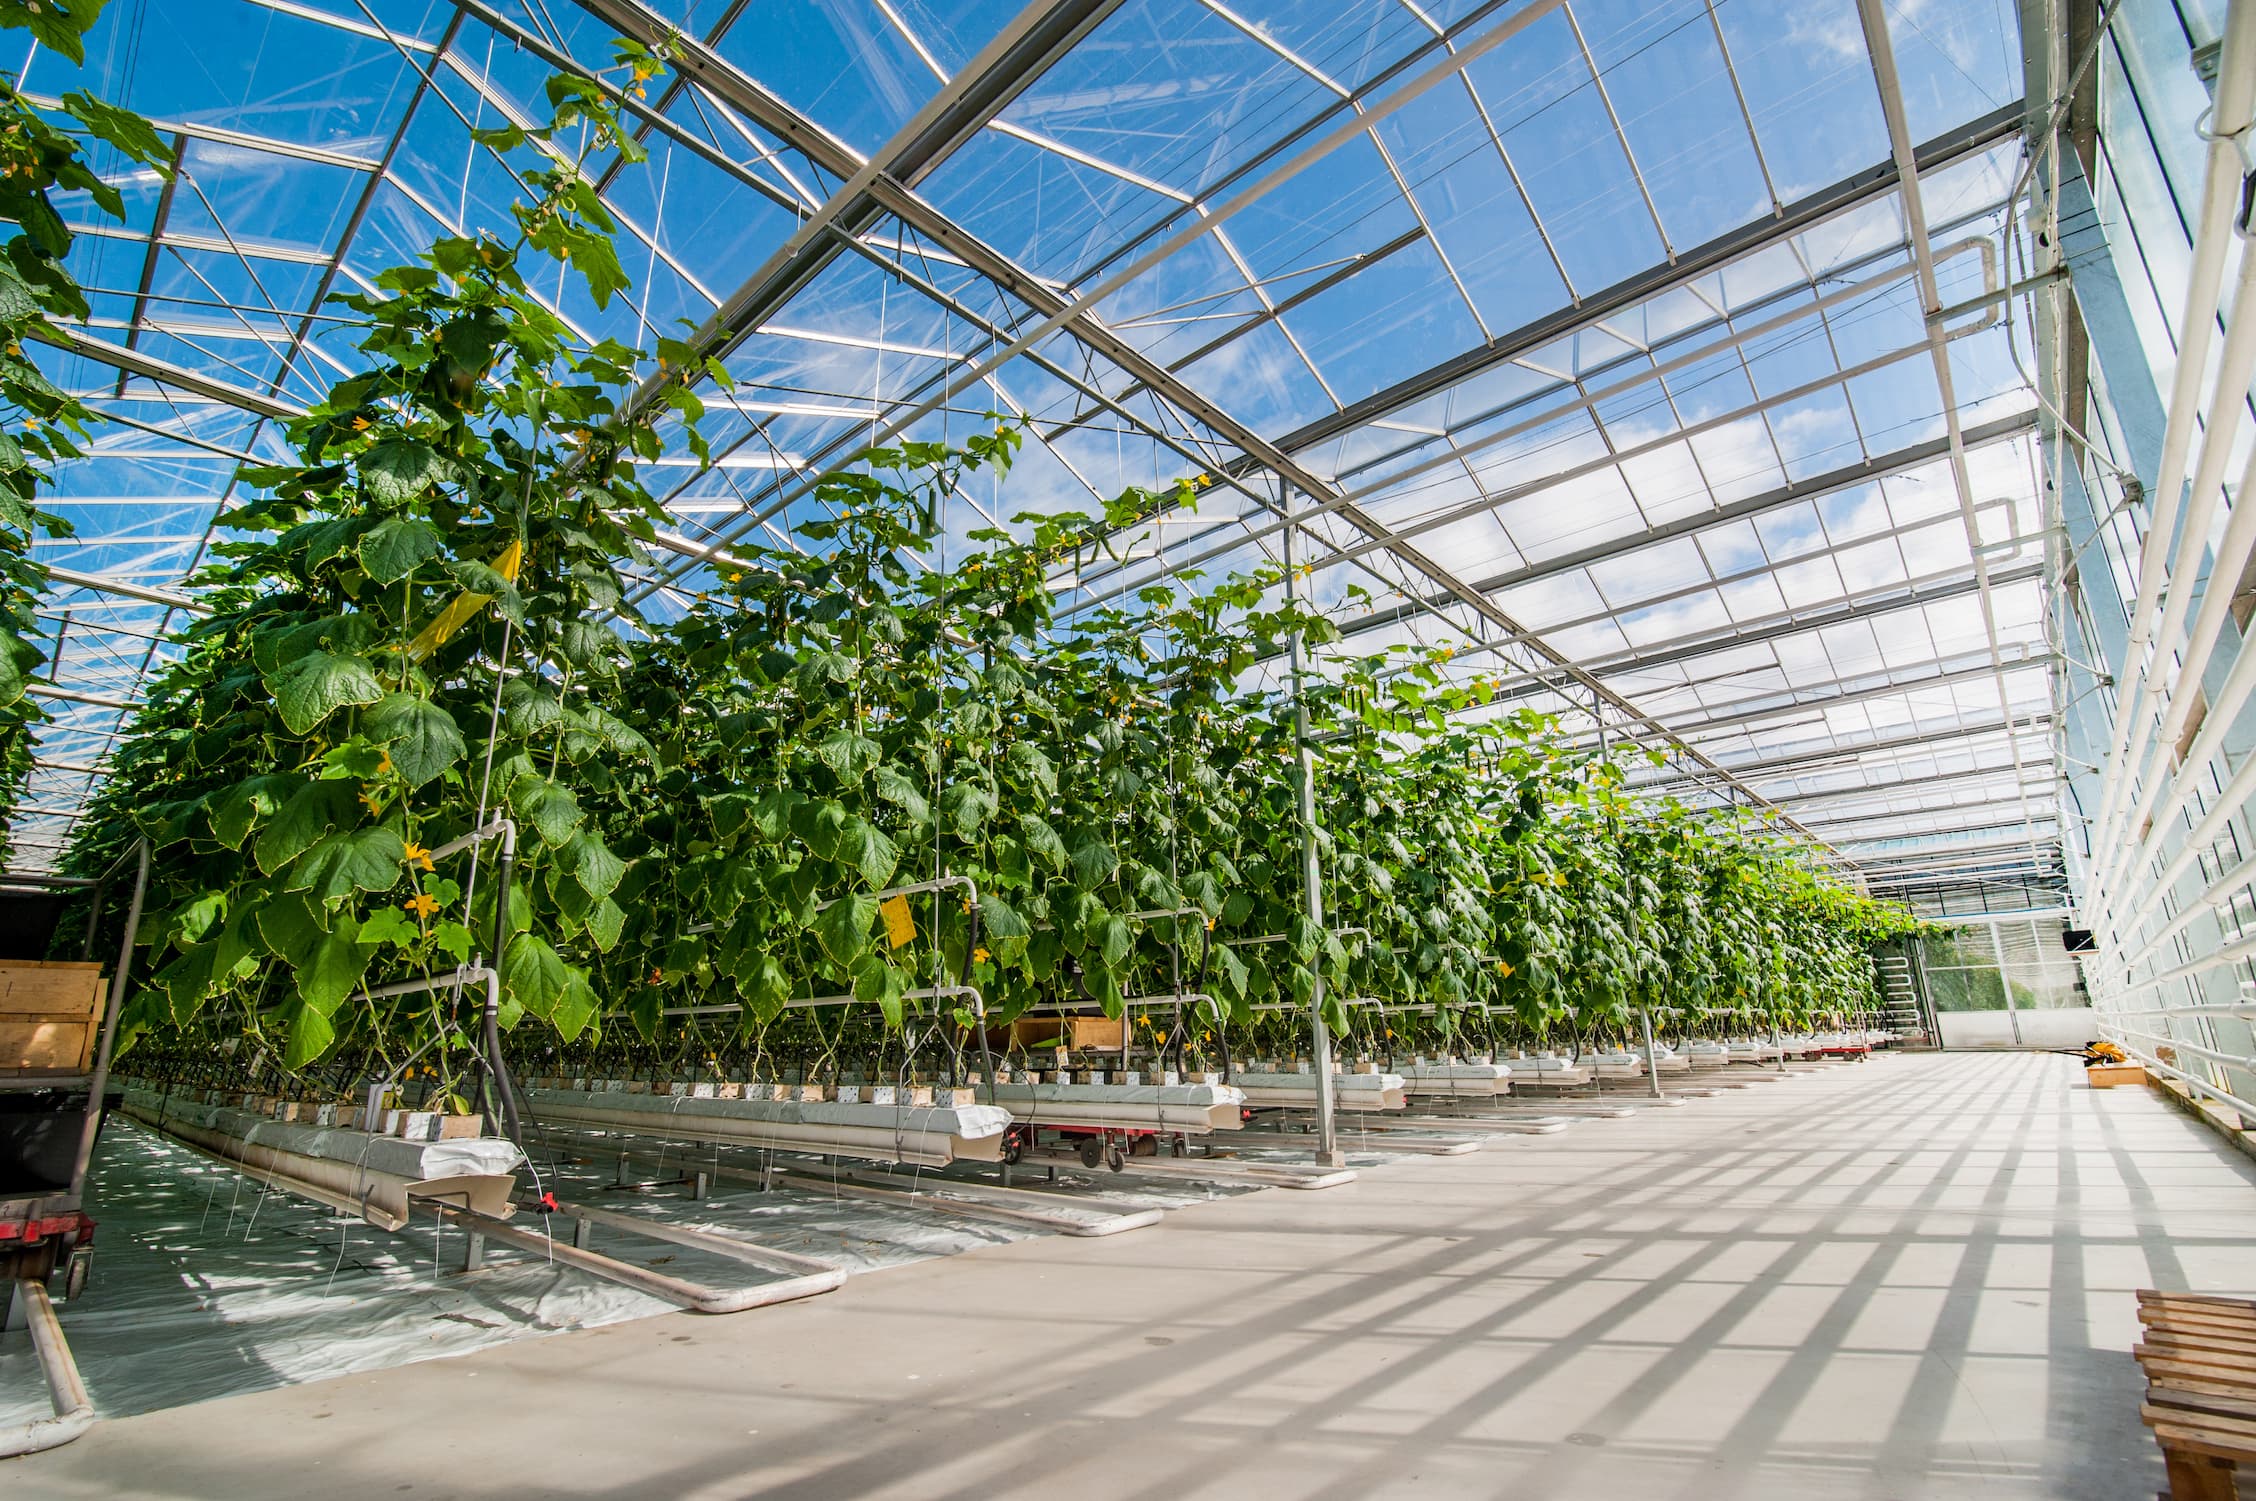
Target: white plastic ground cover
{"points": [[930, 1135], [1192, 1109], [207, 1283], [1456, 1080], [379, 1175], [1349, 1091]]}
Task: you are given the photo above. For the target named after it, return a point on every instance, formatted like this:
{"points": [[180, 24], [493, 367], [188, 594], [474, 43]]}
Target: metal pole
{"points": [[118, 983], [1328, 1153], [2005, 984], [1652, 1063]]}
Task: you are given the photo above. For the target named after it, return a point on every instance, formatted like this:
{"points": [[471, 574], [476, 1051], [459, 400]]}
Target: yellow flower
{"points": [[384, 762], [981, 955], [421, 905], [417, 855], [368, 801]]}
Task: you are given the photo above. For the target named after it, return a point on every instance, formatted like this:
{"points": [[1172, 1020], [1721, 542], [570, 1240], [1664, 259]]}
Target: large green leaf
{"points": [[877, 983], [398, 469], [396, 546], [842, 928], [310, 688], [820, 825], [590, 862], [312, 1033], [552, 810], [418, 735], [868, 850], [335, 967], [1029, 762], [1114, 938], [311, 812], [534, 975], [896, 787], [1094, 861], [341, 864], [1043, 840]]}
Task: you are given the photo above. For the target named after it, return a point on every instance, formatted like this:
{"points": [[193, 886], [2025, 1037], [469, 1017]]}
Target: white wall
{"points": [[2067, 1027]]}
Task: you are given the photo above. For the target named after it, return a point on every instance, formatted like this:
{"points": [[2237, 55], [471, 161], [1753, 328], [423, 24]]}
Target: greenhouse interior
{"points": [[719, 712]]}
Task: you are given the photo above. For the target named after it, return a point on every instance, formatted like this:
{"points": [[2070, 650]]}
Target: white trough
{"points": [[1349, 1091], [359, 1172], [1191, 1109], [923, 1135], [1456, 1081]]}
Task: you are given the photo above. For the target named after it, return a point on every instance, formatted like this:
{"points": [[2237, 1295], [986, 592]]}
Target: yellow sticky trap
{"points": [[900, 924], [455, 616]]}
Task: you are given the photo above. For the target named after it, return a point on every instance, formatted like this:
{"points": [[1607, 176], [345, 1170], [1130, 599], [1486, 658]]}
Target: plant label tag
{"points": [[900, 923]]}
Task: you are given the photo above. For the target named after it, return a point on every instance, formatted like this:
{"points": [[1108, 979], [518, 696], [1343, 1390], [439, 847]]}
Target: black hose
{"points": [[495, 1067], [963, 978]]}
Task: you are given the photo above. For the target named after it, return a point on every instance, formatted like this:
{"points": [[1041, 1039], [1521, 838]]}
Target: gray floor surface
{"points": [[1910, 1278]]}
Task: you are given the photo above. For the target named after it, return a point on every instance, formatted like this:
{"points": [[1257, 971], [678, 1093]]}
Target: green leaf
{"points": [[1114, 938], [419, 736], [289, 927], [868, 851], [849, 755], [311, 1035], [127, 131], [534, 975], [390, 925], [1094, 861], [552, 810], [591, 864], [335, 967], [879, 984], [895, 787], [820, 825], [57, 25], [238, 810], [397, 470], [310, 813], [605, 920], [575, 1007], [1042, 840], [396, 547], [842, 928], [1033, 766], [310, 688], [341, 864], [965, 809], [999, 920]]}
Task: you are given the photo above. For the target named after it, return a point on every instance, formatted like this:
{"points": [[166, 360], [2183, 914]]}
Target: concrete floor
{"points": [[1905, 1279]]}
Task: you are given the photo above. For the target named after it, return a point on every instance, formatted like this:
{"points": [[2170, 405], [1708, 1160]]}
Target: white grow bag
{"points": [[359, 1172]]}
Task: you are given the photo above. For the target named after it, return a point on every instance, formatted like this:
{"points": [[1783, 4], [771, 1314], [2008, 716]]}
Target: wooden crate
{"points": [[2199, 1355], [1078, 1031], [50, 1016], [2108, 1075], [36, 988]]}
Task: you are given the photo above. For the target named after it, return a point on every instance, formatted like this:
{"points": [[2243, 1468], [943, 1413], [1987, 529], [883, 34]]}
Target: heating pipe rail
{"points": [[74, 1409]]}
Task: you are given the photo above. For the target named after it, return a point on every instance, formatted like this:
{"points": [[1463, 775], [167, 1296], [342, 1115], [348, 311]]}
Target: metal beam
{"points": [[1853, 192], [1817, 486], [1793, 623], [73, 579], [1732, 719], [164, 372], [1856, 750], [1897, 815]]}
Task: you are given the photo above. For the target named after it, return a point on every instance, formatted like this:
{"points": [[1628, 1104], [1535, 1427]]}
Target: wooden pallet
{"points": [[2199, 1355]]}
